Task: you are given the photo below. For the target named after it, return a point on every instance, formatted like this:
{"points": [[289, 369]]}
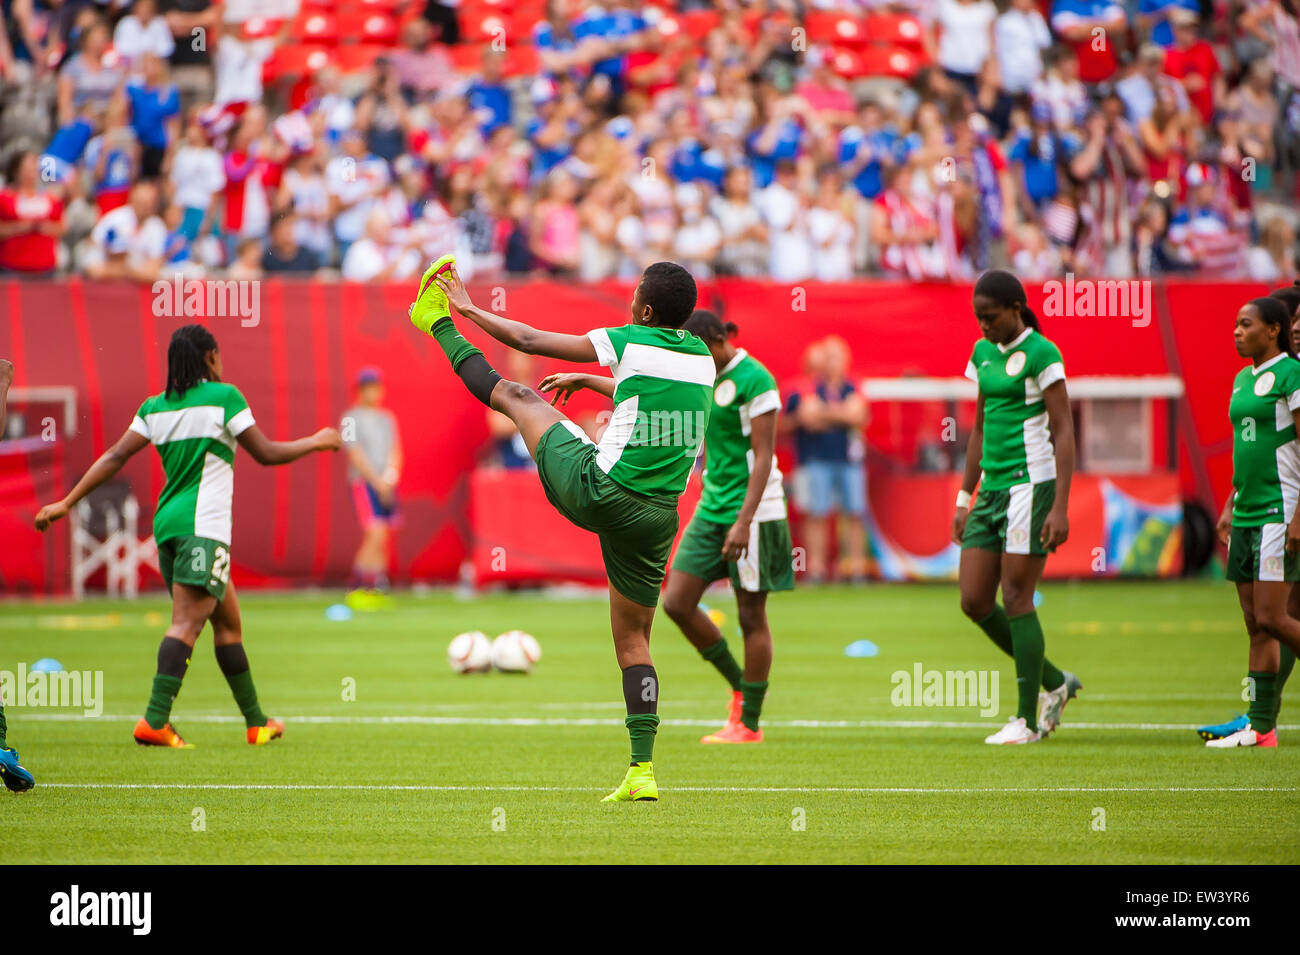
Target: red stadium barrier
{"points": [[296, 365]]}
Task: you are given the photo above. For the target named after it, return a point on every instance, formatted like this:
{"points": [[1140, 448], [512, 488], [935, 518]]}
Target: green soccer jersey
{"points": [[195, 436], [1012, 379], [745, 390], [1265, 455], [663, 392]]}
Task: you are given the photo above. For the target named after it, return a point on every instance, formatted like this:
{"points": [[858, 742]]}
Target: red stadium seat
{"points": [[521, 60], [374, 26], [465, 57], [896, 29], [319, 4], [357, 58], [890, 61], [297, 59], [700, 23], [487, 27], [316, 27], [840, 29]]}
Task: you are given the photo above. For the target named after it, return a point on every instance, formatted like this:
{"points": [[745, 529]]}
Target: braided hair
{"points": [[186, 352]]}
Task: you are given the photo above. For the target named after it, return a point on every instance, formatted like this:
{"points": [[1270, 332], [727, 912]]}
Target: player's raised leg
{"points": [[191, 608], [631, 623], [228, 643]]}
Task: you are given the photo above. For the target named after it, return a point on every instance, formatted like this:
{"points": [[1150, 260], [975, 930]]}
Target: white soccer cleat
{"points": [[1016, 731], [1051, 703], [1243, 737]]}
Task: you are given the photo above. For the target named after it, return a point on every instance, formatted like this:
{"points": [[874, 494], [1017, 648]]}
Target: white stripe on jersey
{"points": [[1040, 461], [618, 432], [655, 362], [200, 421], [1288, 477], [212, 507]]}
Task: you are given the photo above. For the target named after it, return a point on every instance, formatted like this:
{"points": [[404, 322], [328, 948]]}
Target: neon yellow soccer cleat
{"points": [[430, 305], [638, 785]]}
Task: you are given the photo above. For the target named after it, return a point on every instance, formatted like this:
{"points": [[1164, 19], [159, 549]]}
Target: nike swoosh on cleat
{"points": [[633, 792]]}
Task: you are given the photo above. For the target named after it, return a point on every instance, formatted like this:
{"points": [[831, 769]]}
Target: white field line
{"points": [[35, 717], [879, 790]]}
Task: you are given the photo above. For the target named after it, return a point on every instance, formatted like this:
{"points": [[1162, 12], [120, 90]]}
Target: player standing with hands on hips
{"points": [[1021, 453]]}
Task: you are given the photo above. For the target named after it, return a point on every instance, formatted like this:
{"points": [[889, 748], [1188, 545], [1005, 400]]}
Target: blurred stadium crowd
{"points": [[822, 140]]}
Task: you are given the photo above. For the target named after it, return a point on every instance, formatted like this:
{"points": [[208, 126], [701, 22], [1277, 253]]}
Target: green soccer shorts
{"points": [[1259, 553], [636, 531], [1010, 519], [766, 566], [197, 561]]}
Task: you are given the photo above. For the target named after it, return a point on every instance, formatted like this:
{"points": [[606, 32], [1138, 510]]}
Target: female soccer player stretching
{"points": [[1023, 442], [195, 424], [739, 529], [1263, 527], [626, 488]]}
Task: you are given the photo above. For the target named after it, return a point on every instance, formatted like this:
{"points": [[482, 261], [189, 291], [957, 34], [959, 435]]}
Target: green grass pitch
{"points": [[428, 766]]}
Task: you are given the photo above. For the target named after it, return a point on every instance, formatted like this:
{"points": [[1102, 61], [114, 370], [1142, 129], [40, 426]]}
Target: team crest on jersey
{"points": [[1016, 363], [725, 393], [1264, 384]]}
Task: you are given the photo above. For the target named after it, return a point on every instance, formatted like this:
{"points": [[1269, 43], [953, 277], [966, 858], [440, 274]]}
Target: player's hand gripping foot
{"points": [[1016, 731], [1051, 703], [1245, 737], [430, 305], [1221, 730], [146, 735], [15, 776], [638, 785], [735, 733], [261, 735], [733, 717]]}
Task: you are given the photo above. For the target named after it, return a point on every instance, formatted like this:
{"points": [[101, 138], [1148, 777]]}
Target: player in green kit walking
{"points": [[1263, 525], [739, 529], [1021, 454], [626, 488], [195, 424]]}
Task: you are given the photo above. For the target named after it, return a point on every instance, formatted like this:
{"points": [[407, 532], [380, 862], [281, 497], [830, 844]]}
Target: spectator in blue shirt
{"points": [[1155, 15], [489, 98], [866, 148], [777, 139], [827, 417], [155, 108]]}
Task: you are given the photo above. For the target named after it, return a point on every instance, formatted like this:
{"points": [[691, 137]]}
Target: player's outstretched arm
{"points": [[265, 451], [109, 463], [521, 337], [566, 383]]}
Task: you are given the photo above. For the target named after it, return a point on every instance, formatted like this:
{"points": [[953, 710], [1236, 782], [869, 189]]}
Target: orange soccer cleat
{"points": [[146, 735], [735, 733], [733, 716], [261, 735]]}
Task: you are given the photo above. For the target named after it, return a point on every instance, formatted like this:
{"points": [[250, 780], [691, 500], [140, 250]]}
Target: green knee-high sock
{"points": [[1284, 668], [234, 666], [1027, 646], [3, 728], [173, 661], [751, 702], [454, 345], [1261, 707], [720, 656], [999, 631], [641, 729]]}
